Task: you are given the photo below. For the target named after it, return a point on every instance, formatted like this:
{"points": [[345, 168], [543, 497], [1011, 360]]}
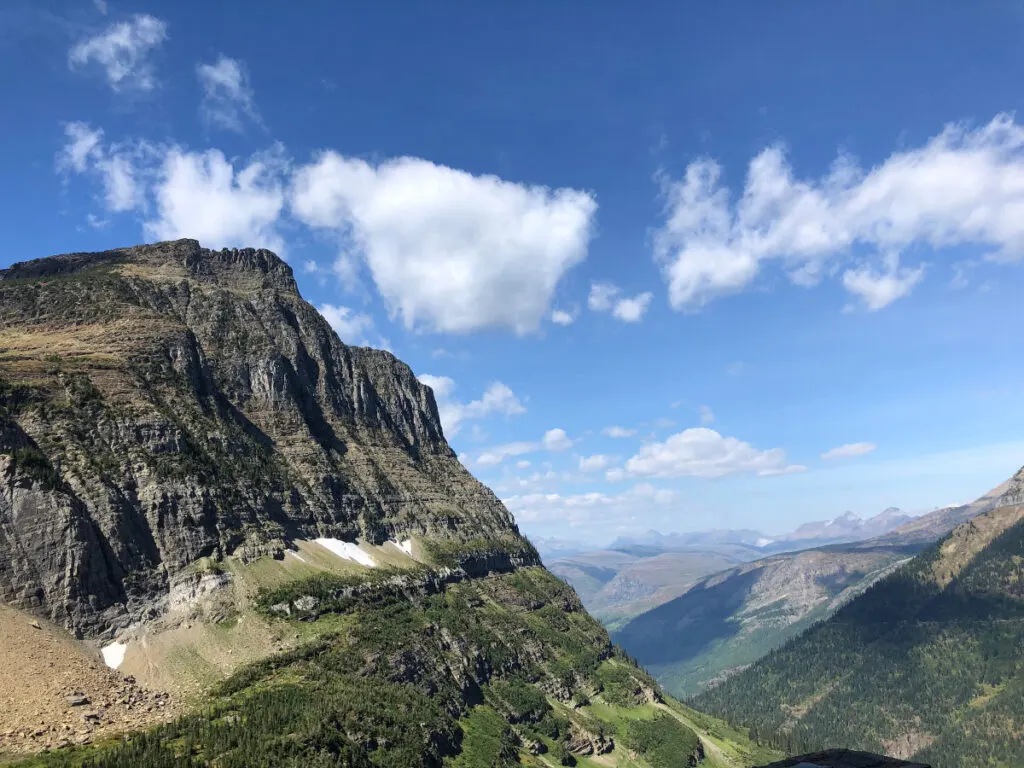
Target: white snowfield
{"points": [[348, 551], [405, 546], [113, 654]]}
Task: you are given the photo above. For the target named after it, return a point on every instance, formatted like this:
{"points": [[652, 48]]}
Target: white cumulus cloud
{"points": [[83, 147], [114, 165], [351, 326], [556, 440], [227, 95], [497, 399], [449, 251], [203, 195], [703, 452], [607, 297], [878, 289], [122, 50], [964, 186], [561, 317], [632, 310], [848, 451], [594, 463]]}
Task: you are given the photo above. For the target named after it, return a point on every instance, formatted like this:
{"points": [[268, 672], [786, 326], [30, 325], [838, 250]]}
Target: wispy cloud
{"points": [[228, 98], [618, 432], [122, 51], [555, 440], [848, 451]]}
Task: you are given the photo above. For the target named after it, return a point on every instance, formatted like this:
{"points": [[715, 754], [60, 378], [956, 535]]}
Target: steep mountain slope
{"points": [[927, 663], [729, 620], [54, 691], [166, 403], [637, 574], [197, 475], [617, 585]]}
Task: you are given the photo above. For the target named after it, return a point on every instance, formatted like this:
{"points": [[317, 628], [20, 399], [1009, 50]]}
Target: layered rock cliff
{"points": [[166, 403]]}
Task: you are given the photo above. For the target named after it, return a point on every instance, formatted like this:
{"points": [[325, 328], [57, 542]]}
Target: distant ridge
{"points": [[925, 665]]}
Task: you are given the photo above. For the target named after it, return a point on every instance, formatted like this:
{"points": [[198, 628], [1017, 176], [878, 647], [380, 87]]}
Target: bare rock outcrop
{"points": [[166, 403]]}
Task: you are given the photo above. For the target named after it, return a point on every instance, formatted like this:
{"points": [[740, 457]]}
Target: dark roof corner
{"points": [[843, 758]]}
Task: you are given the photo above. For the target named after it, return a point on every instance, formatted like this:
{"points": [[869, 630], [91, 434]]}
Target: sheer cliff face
{"points": [[165, 403]]}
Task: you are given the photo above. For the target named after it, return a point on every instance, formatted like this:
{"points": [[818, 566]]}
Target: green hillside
{"points": [[928, 663], [729, 620], [406, 670]]}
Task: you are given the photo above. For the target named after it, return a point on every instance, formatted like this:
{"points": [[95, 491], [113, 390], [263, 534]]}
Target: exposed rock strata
{"points": [[166, 403]]}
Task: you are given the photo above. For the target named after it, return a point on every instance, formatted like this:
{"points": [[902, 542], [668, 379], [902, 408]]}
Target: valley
{"points": [[692, 630], [926, 664]]}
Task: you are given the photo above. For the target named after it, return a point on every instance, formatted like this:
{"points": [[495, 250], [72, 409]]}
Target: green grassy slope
{"points": [[502, 670]]}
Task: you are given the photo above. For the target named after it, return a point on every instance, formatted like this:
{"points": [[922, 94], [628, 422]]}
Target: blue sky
{"points": [[668, 266]]}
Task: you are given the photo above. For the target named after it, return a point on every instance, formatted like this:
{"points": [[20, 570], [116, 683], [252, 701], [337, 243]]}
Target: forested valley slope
{"points": [[926, 664]]}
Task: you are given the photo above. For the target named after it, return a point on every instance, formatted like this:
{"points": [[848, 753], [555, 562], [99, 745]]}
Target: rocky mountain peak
{"points": [[1013, 493], [166, 403], [232, 267]]}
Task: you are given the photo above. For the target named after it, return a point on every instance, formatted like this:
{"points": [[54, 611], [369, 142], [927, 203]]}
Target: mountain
{"points": [[939, 522], [676, 541], [726, 621], [551, 547], [203, 487], [638, 573], [617, 585], [847, 527], [926, 664]]}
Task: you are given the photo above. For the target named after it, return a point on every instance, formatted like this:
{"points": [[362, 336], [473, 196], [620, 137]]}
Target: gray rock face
{"points": [[1013, 492], [165, 403]]}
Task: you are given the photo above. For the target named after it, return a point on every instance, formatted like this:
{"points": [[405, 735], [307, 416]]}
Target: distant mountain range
{"points": [[695, 608], [847, 527], [638, 573], [927, 664]]}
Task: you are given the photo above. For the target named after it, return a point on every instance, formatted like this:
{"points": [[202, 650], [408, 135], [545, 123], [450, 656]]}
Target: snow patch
{"points": [[405, 546], [348, 551], [763, 542], [113, 654]]}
